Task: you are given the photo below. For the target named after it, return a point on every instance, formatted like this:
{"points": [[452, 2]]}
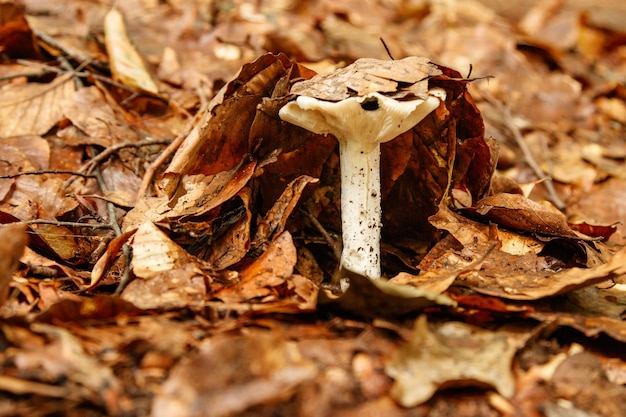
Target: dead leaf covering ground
{"points": [[169, 246]]}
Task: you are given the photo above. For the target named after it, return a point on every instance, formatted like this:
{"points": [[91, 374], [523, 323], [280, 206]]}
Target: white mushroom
{"points": [[361, 124]]}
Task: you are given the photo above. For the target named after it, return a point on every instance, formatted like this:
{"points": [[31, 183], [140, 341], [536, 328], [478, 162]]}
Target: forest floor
{"points": [[170, 247]]}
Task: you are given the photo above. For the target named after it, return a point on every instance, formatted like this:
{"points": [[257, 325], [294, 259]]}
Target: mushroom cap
{"points": [[370, 119]]}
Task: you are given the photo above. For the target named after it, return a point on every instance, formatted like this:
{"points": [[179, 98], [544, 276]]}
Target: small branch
{"points": [[46, 171], [44, 37], [528, 156], [171, 148], [118, 231], [68, 224], [334, 244], [88, 168], [76, 73]]}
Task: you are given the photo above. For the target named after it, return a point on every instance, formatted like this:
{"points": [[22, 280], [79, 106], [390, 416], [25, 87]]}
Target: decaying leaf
{"points": [[270, 270], [522, 272], [267, 370], [33, 109], [16, 36], [375, 298], [182, 287], [372, 76], [520, 213], [582, 380], [451, 354], [154, 252], [12, 243], [88, 110], [126, 63], [276, 218], [65, 357], [220, 227]]}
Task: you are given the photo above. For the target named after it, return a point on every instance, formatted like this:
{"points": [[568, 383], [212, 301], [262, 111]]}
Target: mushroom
{"points": [[361, 123]]}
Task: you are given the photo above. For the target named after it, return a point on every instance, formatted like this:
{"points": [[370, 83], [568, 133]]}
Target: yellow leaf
{"points": [[126, 64]]}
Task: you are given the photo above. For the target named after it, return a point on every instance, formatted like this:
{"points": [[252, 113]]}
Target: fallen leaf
{"points": [[405, 78], [376, 298], [12, 243], [275, 219], [451, 354], [229, 241], [64, 357], [269, 270], [126, 63], [33, 108], [581, 379], [520, 213], [89, 111], [520, 275], [178, 287], [258, 368], [16, 36], [154, 252]]}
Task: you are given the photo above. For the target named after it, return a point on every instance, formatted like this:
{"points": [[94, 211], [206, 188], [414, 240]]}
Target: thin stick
{"points": [[386, 48], [118, 231], [69, 224], [87, 169], [167, 152], [69, 51], [46, 171]]}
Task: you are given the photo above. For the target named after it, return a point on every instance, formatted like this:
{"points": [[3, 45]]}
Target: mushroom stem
{"points": [[360, 207]]}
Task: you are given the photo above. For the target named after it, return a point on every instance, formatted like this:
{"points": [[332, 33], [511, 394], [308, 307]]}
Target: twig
{"points": [[528, 156], [118, 231], [69, 224], [69, 51], [88, 168], [386, 48], [332, 242], [47, 171], [76, 73], [171, 148], [23, 74]]}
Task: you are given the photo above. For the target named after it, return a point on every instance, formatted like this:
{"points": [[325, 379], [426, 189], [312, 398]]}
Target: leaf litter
{"points": [[506, 285]]}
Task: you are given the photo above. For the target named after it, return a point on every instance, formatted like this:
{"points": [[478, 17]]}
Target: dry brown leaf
{"points": [[154, 252], [16, 36], [520, 213], [38, 197], [204, 193], [245, 371], [88, 110], [106, 260], [450, 354], [380, 298], [590, 325], [181, 287], [229, 247], [404, 78], [33, 109], [269, 270], [12, 243], [220, 140], [275, 219], [198, 196], [126, 63], [60, 239], [20, 154], [64, 357], [525, 275], [581, 379]]}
